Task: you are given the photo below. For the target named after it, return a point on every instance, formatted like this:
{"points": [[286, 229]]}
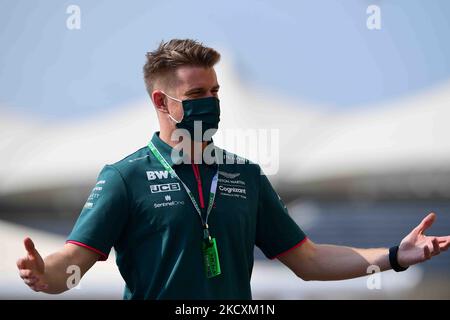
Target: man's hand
{"points": [[50, 275], [417, 247], [32, 267]]}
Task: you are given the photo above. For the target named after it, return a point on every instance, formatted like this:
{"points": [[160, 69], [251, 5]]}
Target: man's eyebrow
{"points": [[190, 91], [199, 89]]}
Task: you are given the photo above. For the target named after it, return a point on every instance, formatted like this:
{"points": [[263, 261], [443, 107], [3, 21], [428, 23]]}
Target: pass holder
{"points": [[211, 257]]}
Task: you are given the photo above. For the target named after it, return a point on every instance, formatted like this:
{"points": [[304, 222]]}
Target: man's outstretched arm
{"points": [[50, 275], [312, 261]]}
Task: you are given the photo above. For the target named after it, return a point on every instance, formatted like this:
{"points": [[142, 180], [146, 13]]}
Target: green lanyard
{"points": [[212, 193]]}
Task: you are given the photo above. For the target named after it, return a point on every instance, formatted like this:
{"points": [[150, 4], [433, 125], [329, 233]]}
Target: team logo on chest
{"points": [[165, 187], [169, 202], [158, 174], [230, 186]]}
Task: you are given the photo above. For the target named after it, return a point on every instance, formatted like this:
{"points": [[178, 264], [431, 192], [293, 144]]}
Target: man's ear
{"points": [[160, 101]]}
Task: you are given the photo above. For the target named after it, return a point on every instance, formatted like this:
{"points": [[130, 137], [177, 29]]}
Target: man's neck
{"points": [[166, 137]]}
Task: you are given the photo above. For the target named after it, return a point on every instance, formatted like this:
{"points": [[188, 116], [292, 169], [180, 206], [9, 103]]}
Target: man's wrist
{"points": [[393, 259]]}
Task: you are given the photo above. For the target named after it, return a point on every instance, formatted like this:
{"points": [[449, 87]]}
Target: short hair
{"points": [[162, 63]]}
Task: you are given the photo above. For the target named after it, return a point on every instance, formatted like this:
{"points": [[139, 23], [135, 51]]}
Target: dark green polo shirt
{"points": [[145, 214]]}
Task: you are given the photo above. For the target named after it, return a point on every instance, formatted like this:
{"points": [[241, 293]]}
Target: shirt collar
{"points": [[166, 150]]}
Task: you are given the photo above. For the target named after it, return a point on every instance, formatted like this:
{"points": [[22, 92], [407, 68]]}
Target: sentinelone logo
{"points": [[168, 203]]}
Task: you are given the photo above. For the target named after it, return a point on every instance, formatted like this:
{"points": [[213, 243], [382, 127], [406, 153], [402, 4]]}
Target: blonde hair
{"points": [[162, 63]]}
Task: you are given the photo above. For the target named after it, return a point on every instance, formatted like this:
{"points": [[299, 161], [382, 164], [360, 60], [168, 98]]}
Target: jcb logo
{"points": [[167, 187], [153, 175]]}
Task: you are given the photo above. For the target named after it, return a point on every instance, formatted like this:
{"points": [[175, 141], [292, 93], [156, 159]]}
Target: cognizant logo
{"points": [[232, 190]]}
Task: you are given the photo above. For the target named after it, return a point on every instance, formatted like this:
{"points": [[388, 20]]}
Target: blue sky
{"points": [[317, 51]]}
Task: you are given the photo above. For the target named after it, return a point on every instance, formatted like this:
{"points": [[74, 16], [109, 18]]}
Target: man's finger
{"points": [[26, 273], [30, 281], [443, 239], [34, 287], [444, 245], [426, 223], [426, 252], [24, 263], [39, 287], [436, 248], [20, 263]]}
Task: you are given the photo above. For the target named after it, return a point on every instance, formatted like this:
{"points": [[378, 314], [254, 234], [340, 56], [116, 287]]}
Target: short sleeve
{"points": [[104, 214], [276, 231]]}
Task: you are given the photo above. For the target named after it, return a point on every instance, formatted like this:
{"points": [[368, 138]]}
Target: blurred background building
{"points": [[361, 114]]}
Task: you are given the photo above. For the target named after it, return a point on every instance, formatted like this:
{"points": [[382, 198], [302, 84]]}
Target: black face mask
{"points": [[204, 111]]}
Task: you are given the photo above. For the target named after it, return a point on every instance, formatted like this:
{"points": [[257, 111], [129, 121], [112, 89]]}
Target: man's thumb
{"points": [[426, 223], [29, 246]]}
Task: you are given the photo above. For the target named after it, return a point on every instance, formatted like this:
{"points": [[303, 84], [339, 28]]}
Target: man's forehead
{"points": [[190, 77]]}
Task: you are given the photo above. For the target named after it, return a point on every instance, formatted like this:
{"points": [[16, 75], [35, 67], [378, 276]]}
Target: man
{"points": [[184, 215]]}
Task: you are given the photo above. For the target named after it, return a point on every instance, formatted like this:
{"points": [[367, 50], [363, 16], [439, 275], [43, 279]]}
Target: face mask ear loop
{"points": [[173, 119], [171, 97]]}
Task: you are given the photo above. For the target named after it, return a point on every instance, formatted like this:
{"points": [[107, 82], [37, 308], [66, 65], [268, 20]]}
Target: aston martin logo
{"points": [[229, 175]]}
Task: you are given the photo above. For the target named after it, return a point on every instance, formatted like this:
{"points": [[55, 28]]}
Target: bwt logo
{"points": [[167, 187], [153, 175]]}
